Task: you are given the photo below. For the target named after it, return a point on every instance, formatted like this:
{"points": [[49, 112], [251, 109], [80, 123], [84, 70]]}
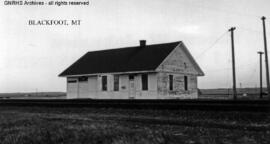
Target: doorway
{"points": [[132, 89]]}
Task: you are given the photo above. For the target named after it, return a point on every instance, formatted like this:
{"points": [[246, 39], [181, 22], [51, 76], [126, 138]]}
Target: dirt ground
{"points": [[31, 125]]}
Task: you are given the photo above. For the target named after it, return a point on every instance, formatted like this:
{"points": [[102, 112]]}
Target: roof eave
{"points": [[129, 72]]}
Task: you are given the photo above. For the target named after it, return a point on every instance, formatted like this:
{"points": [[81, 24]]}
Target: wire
{"points": [[240, 14], [213, 44], [251, 30], [237, 67], [251, 75]]}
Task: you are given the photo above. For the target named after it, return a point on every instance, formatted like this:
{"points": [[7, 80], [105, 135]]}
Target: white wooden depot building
{"points": [[157, 71]]}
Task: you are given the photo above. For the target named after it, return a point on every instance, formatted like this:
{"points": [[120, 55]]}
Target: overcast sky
{"points": [[31, 57]]}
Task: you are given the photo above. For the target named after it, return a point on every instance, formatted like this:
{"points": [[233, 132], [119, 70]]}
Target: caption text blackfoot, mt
{"points": [[54, 22]]}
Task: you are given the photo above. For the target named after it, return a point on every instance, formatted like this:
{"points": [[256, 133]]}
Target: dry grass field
{"points": [[32, 125], [33, 95], [222, 93]]}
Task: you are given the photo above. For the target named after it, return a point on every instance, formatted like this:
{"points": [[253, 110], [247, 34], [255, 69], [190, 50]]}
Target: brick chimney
{"points": [[142, 43]]}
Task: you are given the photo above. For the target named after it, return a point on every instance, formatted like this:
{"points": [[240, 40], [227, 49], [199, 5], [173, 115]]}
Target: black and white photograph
{"points": [[134, 72]]}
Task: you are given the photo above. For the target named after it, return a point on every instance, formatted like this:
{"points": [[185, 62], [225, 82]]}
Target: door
{"points": [[83, 87], [72, 88], [132, 89]]}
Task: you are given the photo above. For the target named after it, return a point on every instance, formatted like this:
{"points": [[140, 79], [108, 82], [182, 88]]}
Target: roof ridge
{"points": [[121, 59], [133, 47]]}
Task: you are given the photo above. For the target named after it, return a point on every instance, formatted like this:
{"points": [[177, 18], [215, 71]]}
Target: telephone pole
{"points": [[266, 57], [260, 53], [233, 64]]}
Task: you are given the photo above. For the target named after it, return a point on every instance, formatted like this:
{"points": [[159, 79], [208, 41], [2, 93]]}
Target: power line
{"points": [[240, 14], [251, 30], [239, 66], [213, 44]]}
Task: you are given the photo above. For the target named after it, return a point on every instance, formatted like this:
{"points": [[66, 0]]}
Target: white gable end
{"points": [[180, 61]]}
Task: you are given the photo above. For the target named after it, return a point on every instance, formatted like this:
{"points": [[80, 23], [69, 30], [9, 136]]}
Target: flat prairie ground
{"points": [[43, 125]]}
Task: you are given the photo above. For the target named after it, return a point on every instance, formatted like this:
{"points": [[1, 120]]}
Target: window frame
{"points": [[131, 77], [83, 79], [144, 80], [186, 83], [116, 82], [104, 83], [72, 81], [171, 82], [185, 65]]}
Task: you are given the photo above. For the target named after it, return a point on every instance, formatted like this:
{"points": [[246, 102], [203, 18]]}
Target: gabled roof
{"points": [[197, 67], [129, 59]]}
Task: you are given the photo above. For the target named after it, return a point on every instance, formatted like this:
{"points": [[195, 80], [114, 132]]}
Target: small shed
{"points": [[156, 71]]}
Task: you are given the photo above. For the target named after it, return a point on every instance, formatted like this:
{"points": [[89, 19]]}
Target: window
{"points": [[144, 82], [186, 82], [170, 82], [104, 83], [83, 79], [185, 65], [116, 83], [71, 81], [131, 77]]}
